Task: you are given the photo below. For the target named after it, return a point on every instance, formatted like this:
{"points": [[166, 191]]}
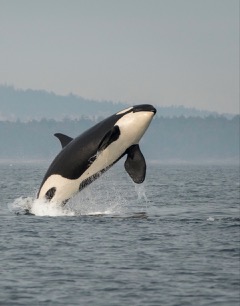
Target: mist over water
{"points": [[173, 240]]}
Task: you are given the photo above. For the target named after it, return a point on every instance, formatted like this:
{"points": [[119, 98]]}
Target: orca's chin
{"points": [[144, 108]]}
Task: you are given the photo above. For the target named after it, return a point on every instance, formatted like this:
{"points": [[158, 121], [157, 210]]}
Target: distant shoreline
{"points": [[236, 161]]}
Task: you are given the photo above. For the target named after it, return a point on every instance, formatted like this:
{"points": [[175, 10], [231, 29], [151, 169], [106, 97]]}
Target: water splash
{"points": [[141, 192], [94, 200], [97, 200], [103, 197], [32, 206], [21, 205]]}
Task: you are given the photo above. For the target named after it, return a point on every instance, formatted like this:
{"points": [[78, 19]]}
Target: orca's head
{"points": [[134, 121]]}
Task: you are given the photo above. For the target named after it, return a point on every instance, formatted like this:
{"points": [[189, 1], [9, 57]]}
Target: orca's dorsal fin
{"points": [[135, 164], [64, 139], [109, 137]]}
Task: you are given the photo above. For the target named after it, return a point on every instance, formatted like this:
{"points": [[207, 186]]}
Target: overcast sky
{"points": [[165, 52]]}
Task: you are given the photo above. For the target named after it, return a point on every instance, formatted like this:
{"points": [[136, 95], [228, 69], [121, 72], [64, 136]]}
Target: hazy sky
{"points": [[165, 52]]}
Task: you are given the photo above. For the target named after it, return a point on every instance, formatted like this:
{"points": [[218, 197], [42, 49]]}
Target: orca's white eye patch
{"points": [[124, 111]]}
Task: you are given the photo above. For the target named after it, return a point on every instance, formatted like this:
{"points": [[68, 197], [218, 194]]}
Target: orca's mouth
{"points": [[144, 108]]}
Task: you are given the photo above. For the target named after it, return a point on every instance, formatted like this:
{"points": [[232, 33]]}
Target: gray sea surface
{"points": [[172, 241]]}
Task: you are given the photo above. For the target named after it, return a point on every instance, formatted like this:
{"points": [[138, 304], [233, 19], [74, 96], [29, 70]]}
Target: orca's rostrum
{"points": [[86, 157]]}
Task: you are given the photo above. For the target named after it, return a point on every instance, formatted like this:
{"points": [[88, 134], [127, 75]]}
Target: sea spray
{"points": [[98, 199], [21, 205], [141, 194], [103, 197], [32, 206]]}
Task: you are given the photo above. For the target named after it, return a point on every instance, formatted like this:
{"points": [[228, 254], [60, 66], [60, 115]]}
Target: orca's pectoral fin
{"points": [[109, 137], [135, 164], [64, 139]]}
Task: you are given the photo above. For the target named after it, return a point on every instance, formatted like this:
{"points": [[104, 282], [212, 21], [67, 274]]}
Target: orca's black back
{"points": [[75, 158]]}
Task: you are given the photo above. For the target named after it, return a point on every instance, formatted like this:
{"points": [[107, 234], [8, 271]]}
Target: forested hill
{"points": [[181, 139], [30, 104], [29, 118]]}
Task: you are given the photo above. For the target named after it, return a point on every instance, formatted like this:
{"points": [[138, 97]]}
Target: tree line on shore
{"points": [[177, 138]]}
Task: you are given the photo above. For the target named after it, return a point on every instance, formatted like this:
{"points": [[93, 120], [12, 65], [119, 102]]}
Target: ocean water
{"points": [[172, 241]]}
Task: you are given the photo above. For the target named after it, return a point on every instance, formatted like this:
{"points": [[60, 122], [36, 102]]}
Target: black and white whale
{"points": [[86, 157]]}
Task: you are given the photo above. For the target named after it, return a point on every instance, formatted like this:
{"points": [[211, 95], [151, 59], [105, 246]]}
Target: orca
{"points": [[84, 158]]}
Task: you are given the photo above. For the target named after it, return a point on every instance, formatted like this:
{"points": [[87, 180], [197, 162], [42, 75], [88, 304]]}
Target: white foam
{"points": [[93, 200], [38, 207], [103, 197], [21, 205], [210, 219], [43, 208]]}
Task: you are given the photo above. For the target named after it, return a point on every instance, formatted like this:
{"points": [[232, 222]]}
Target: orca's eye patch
{"points": [[50, 193], [125, 111]]}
